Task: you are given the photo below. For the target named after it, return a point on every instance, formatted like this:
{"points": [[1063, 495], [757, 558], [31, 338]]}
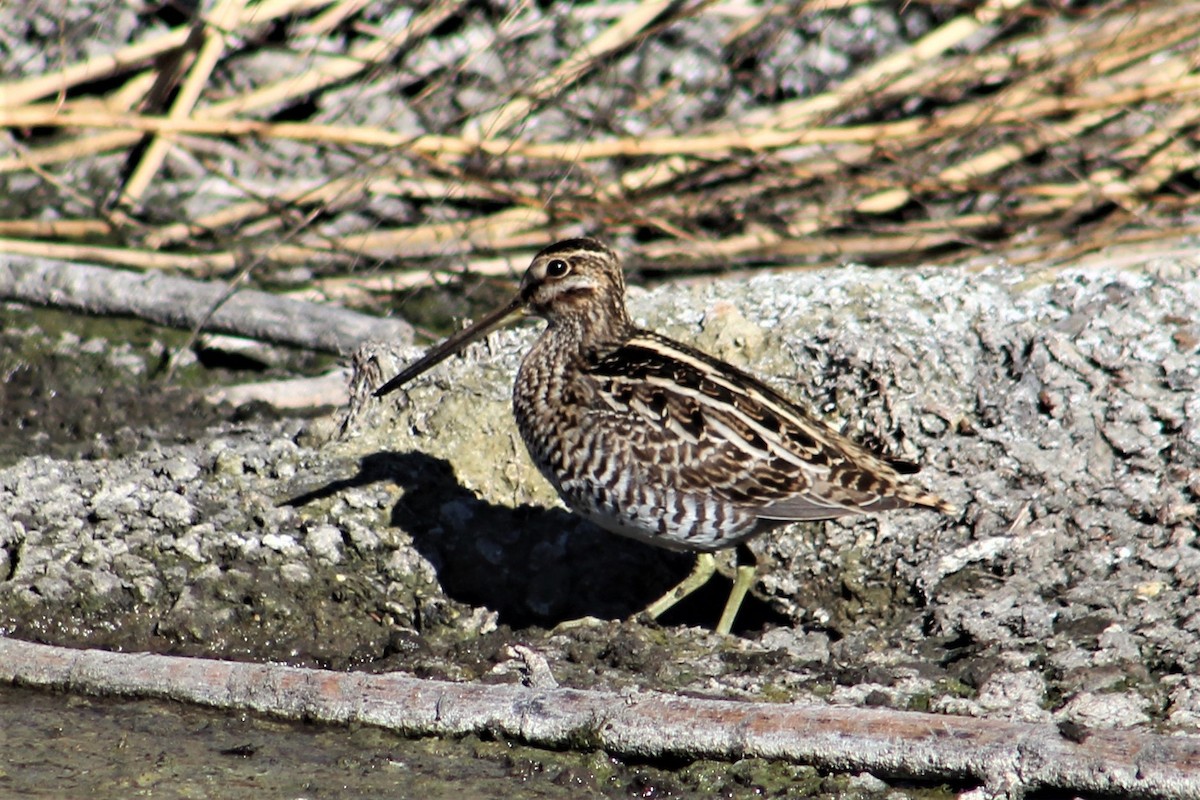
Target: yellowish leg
{"points": [[747, 569], [706, 565]]}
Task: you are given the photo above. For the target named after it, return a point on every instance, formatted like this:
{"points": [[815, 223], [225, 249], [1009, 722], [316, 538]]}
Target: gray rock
{"points": [[1037, 403]]}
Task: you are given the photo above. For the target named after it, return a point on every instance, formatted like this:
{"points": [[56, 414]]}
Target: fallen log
{"points": [[189, 304], [1007, 758]]}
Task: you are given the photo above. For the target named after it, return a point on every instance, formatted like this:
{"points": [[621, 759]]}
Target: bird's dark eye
{"points": [[557, 268]]}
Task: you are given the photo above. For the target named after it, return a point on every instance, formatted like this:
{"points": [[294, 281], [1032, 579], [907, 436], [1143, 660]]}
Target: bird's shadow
{"points": [[532, 565]]}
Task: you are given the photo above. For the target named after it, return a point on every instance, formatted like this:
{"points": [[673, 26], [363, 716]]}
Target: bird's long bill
{"points": [[452, 345]]}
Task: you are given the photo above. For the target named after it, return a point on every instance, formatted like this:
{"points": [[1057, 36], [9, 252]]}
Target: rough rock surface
{"points": [[1060, 410]]}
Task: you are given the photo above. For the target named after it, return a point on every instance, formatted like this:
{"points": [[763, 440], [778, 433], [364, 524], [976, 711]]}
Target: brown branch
{"points": [[1009, 757]]}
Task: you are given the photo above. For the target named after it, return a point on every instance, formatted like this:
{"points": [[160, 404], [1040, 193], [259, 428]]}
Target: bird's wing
{"points": [[707, 427]]}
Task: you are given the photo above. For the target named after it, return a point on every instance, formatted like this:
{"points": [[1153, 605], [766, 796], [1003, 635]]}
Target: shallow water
{"points": [[55, 745], [61, 746]]}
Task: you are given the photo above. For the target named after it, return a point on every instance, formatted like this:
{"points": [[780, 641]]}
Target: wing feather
{"points": [[713, 429]]}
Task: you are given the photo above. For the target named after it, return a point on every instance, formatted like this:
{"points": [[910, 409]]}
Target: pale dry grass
{"points": [[1006, 130]]}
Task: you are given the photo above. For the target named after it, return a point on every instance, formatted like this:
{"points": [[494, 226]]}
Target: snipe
{"points": [[652, 439]]}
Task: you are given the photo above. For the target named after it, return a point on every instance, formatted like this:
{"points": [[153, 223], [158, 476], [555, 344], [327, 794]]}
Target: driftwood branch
{"points": [[329, 389], [1007, 757], [185, 303]]}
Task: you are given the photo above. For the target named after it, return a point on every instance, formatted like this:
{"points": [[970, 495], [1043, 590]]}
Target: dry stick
{"points": [[134, 125], [21, 92], [1137, 40], [505, 229], [952, 122], [329, 72], [200, 264], [1178, 89], [121, 100], [1072, 254], [112, 219], [925, 234], [330, 389], [54, 229], [1123, 38], [1018, 99], [616, 37], [829, 247], [1177, 157], [966, 116], [335, 69], [328, 191], [122, 256], [1120, 34], [1003, 156], [1169, 153], [1108, 82], [331, 17], [223, 18], [238, 212], [919, 235], [512, 227], [707, 144], [361, 289], [755, 240], [1052, 200], [1133, 35], [961, 175], [1006, 757], [951, 74], [184, 303], [801, 113], [1019, 103], [274, 9], [133, 91], [69, 150], [232, 288], [605, 149], [168, 71], [1168, 150], [1162, 134], [269, 222], [712, 145]]}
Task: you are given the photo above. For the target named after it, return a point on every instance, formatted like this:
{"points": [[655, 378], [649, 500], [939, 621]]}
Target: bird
{"points": [[655, 440]]}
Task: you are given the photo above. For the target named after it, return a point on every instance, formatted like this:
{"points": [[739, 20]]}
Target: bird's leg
{"points": [[746, 571], [706, 565]]}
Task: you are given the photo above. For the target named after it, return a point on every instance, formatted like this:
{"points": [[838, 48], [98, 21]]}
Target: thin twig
{"points": [[216, 29]]}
